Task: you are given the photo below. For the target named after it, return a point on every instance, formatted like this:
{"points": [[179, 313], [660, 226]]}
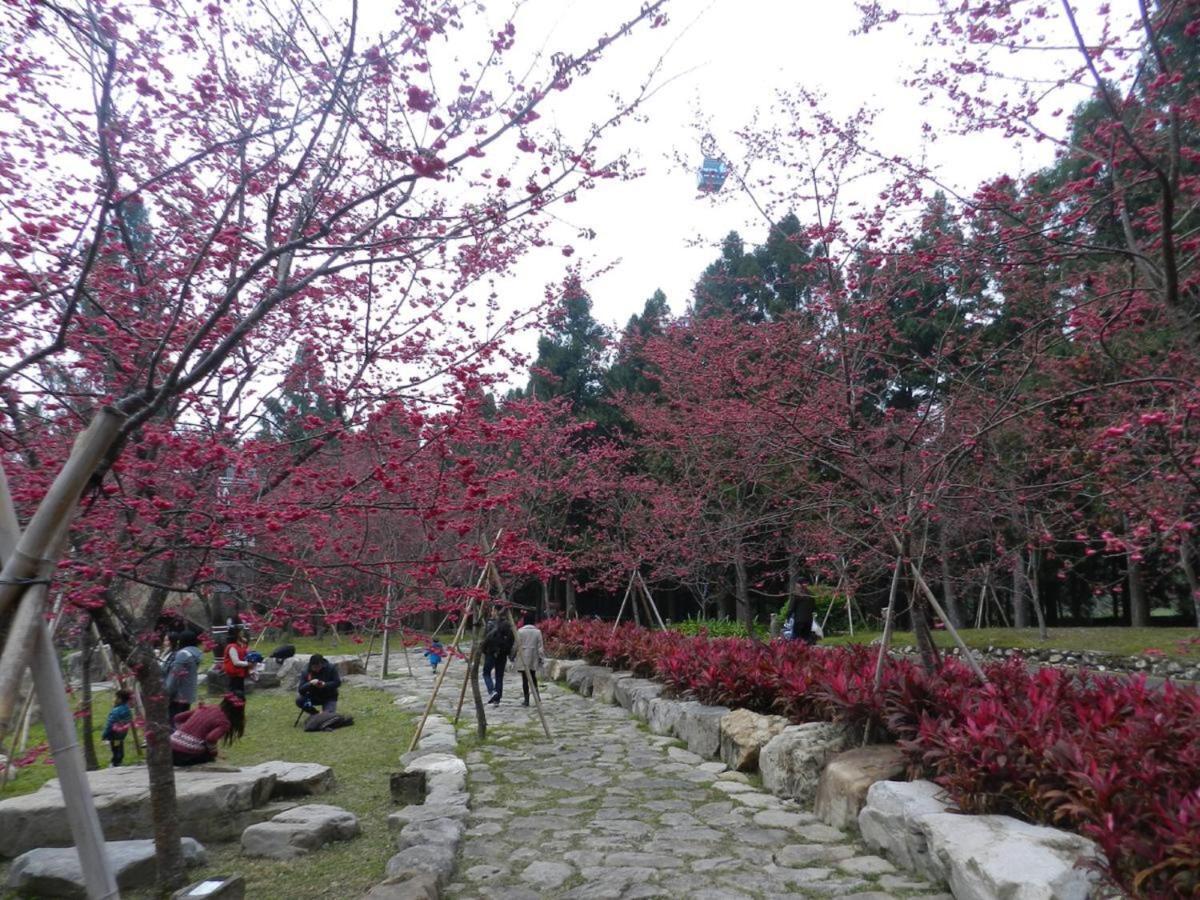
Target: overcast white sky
{"points": [[728, 59]]}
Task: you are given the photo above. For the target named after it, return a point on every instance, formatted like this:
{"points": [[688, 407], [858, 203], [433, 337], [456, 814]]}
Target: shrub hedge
{"points": [[1110, 758]]}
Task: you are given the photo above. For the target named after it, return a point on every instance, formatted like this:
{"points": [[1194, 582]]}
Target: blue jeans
{"points": [[494, 663]]}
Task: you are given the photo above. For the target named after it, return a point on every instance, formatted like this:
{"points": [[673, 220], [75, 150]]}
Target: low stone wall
{"points": [[979, 857], [1095, 660]]}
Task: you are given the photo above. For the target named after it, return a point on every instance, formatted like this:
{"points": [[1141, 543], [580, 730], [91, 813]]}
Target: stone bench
{"points": [[57, 872]]}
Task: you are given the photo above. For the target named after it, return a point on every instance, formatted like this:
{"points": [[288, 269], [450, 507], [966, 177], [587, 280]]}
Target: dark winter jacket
{"points": [[330, 680], [498, 640]]}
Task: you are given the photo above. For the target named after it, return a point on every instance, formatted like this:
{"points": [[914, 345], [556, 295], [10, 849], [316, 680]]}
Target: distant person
{"points": [[530, 655], [198, 731], [498, 641], [182, 668], [237, 663], [117, 726], [319, 685], [798, 617], [435, 652]]}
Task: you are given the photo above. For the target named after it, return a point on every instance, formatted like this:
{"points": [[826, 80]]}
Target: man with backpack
{"points": [[498, 640]]}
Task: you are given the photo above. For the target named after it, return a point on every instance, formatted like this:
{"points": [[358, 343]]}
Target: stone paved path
{"points": [[608, 810]]}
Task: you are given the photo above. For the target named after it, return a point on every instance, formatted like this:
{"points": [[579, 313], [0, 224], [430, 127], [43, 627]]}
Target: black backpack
{"points": [[327, 721]]}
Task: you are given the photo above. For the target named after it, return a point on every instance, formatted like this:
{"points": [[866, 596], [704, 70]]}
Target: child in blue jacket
{"points": [[119, 721]]}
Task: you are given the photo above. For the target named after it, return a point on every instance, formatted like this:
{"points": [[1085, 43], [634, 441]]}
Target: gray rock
{"points": [[556, 669], [866, 865], [299, 831], [547, 875], [802, 855], [296, 779], [792, 761], [213, 804], [982, 857], [56, 871], [624, 688], [744, 734], [445, 774], [642, 698], [700, 728], [684, 756], [444, 830], [582, 678], [663, 714], [890, 822], [842, 789], [604, 685], [407, 886], [433, 859]]}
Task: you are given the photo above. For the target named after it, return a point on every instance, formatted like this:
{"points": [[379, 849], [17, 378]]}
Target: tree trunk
{"points": [[949, 598], [743, 588], [473, 675], [930, 658], [1189, 570], [545, 601], [86, 651], [571, 612], [1019, 609], [164, 811], [1139, 603], [1035, 591]]}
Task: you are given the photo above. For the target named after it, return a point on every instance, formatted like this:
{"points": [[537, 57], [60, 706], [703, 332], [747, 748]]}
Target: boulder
{"points": [[557, 669], [842, 790], [744, 734], [982, 857], [604, 685], [663, 714], [791, 762], [407, 886], [445, 775], [294, 780], [56, 871], [299, 831], [891, 821], [216, 682], [700, 728], [432, 859], [443, 830], [642, 697], [581, 678], [626, 689], [213, 803], [289, 670]]}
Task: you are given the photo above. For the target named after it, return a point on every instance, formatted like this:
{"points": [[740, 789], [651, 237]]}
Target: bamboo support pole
{"points": [[650, 600], [937, 608], [889, 618], [437, 685], [624, 600], [34, 555]]}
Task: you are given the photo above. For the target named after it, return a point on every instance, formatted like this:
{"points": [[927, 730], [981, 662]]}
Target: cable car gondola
{"points": [[714, 170]]}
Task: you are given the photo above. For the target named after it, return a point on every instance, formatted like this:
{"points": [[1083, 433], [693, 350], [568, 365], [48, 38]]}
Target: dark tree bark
{"points": [[949, 597], [87, 647], [1019, 608], [742, 588]]}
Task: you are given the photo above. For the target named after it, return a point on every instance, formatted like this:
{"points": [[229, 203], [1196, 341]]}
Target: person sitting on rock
{"points": [[319, 686], [198, 731]]}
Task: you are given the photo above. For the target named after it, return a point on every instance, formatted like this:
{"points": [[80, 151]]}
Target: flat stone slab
{"points": [[215, 803], [445, 774], [299, 831], [294, 780], [56, 871]]}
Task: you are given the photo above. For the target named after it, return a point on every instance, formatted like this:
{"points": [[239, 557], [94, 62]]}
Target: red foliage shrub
{"points": [[1112, 759]]}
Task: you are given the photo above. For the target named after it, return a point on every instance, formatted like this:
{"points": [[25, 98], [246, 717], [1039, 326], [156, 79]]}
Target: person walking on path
{"points": [[434, 653], [182, 669], [319, 685], [117, 726], [530, 655], [498, 641], [198, 731]]}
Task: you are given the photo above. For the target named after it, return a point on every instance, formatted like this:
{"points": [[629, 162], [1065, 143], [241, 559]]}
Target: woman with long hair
{"points": [[198, 731]]}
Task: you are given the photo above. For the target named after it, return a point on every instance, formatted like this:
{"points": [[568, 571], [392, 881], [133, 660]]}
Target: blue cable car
{"points": [[712, 175]]}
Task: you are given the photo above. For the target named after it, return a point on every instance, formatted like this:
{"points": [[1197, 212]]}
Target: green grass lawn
{"points": [[1122, 641], [362, 758]]}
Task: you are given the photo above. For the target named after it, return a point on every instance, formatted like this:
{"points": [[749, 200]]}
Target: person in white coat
{"points": [[529, 653]]}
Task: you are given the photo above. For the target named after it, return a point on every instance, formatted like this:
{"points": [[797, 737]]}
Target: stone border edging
{"points": [[976, 856]]}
